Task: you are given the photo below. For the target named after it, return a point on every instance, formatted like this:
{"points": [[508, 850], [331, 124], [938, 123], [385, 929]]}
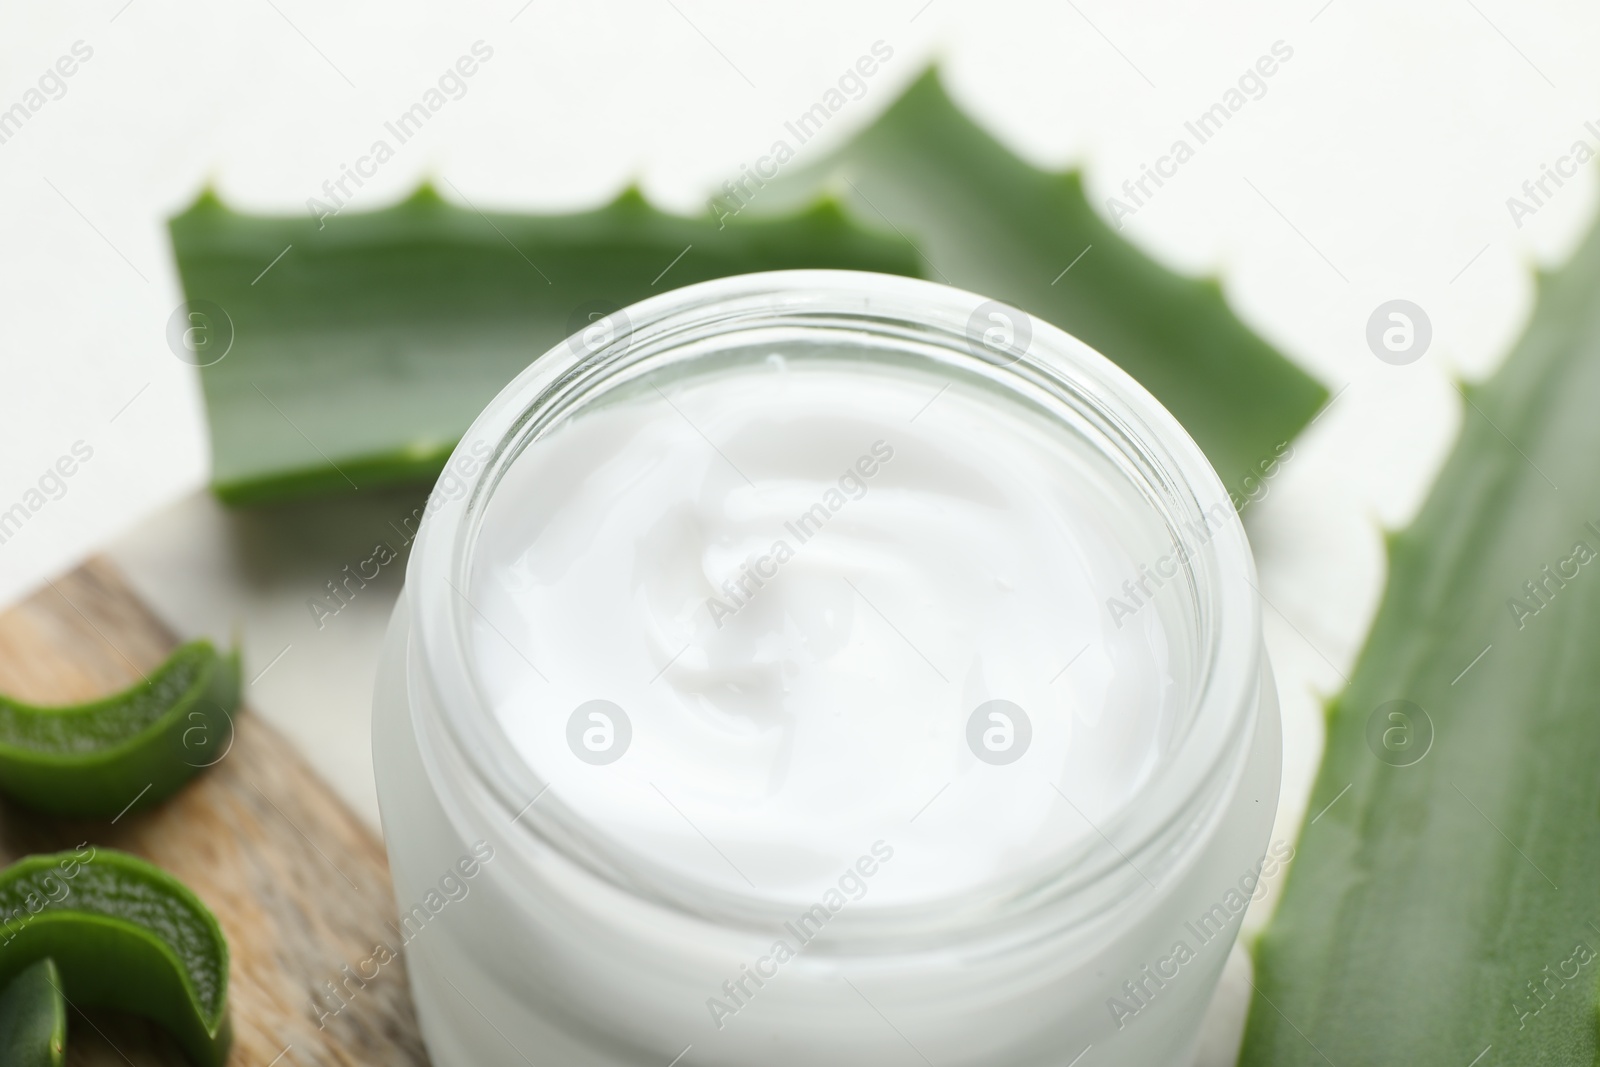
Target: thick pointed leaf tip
{"points": [[1471, 392], [929, 82], [425, 196], [631, 200], [1072, 183], [207, 202]]}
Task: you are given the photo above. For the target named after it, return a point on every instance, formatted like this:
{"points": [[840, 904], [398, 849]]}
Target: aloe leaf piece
{"points": [[125, 751], [33, 1018], [989, 222], [1445, 895], [125, 935], [360, 357]]}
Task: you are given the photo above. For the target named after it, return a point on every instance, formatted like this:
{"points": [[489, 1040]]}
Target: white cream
{"points": [[706, 654], [799, 580]]}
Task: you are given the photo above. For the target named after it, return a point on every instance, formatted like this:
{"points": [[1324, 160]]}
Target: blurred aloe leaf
{"points": [[361, 355], [1441, 907], [359, 351], [989, 222]]}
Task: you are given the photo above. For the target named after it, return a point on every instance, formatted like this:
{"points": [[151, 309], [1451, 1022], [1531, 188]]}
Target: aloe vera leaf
{"points": [[989, 222], [361, 356], [33, 1018], [125, 935], [1427, 897], [124, 751]]}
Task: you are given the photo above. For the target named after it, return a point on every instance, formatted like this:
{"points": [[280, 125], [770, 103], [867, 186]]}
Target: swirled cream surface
{"points": [[751, 623]]}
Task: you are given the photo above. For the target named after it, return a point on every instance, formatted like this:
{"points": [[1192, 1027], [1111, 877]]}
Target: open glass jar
{"points": [[820, 667]]}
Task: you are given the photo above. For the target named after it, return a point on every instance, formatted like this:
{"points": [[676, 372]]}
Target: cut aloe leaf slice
{"points": [[124, 935], [133, 748]]}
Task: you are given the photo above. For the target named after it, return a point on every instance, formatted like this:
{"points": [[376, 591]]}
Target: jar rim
{"points": [[1156, 828]]}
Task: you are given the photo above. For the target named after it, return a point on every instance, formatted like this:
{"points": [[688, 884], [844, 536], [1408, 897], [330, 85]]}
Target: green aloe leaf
{"points": [[33, 1018], [353, 351], [126, 751], [125, 935], [989, 222], [361, 356], [1446, 898]]}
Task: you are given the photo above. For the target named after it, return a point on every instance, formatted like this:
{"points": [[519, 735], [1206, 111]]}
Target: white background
{"points": [[1377, 166]]}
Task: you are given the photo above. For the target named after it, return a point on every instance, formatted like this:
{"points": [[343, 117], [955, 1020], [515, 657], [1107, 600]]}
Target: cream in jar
{"points": [[785, 652]]}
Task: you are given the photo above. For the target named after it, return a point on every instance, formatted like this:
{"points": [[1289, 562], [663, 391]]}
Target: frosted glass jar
{"points": [[819, 667]]}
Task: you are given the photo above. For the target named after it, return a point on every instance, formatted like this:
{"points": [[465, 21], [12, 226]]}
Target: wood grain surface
{"points": [[300, 886]]}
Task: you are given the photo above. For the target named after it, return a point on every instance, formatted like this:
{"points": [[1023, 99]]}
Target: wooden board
{"points": [[300, 886]]}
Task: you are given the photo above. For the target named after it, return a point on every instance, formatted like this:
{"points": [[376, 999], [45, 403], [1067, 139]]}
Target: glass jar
{"points": [[657, 792]]}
